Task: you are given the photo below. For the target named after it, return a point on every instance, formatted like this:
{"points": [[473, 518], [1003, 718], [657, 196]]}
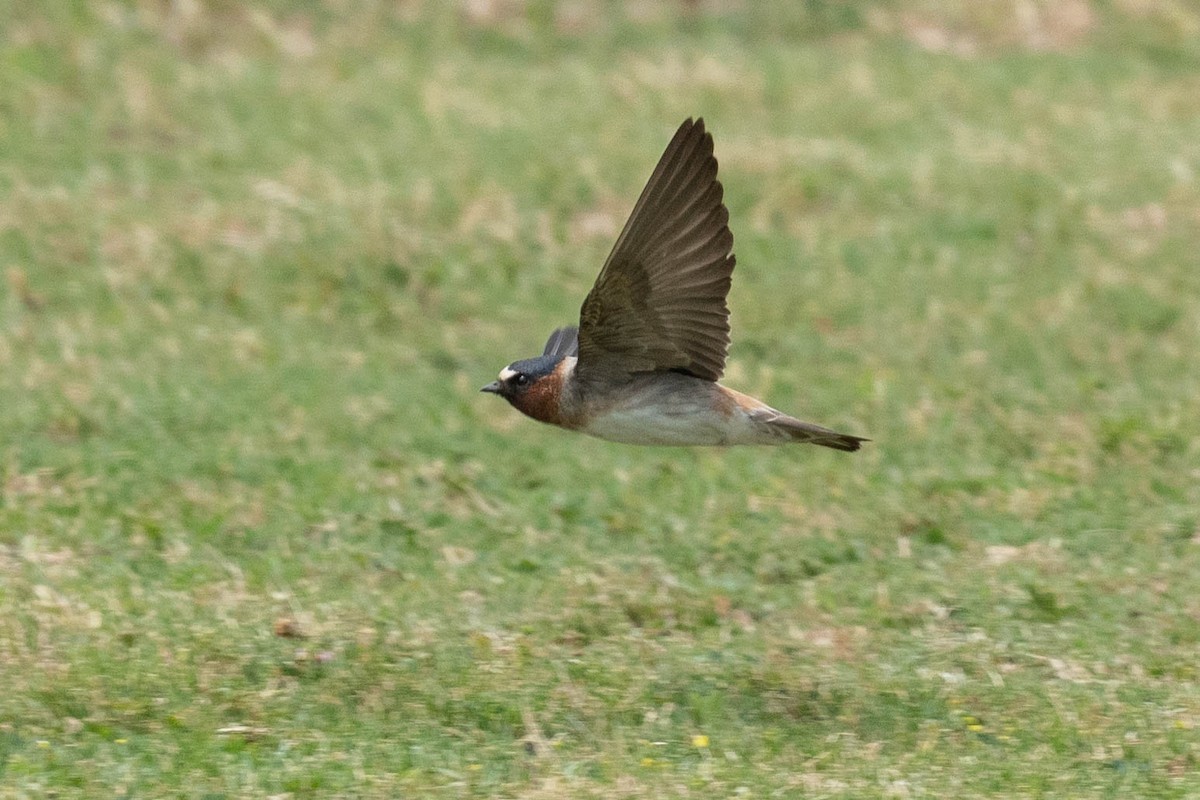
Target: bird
{"points": [[644, 363]]}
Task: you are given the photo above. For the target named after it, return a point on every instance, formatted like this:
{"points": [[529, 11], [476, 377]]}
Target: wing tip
{"points": [[563, 341], [695, 127]]}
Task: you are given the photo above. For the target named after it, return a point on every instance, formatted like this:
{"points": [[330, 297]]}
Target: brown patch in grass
{"points": [[968, 29]]}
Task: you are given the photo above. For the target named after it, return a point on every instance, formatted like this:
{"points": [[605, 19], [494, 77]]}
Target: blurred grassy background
{"points": [[260, 536]]}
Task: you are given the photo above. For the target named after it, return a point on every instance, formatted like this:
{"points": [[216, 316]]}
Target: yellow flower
{"points": [[699, 740]]}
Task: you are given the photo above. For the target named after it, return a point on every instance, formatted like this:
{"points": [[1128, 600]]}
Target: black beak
{"points": [[494, 387]]}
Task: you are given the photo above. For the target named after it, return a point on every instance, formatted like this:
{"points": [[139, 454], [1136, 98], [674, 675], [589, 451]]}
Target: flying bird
{"points": [[643, 364]]}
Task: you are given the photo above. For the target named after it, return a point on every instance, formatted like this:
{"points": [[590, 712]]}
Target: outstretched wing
{"points": [[563, 342], [659, 301]]}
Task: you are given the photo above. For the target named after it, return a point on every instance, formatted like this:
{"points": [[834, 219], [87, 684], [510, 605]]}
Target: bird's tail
{"points": [[799, 431]]}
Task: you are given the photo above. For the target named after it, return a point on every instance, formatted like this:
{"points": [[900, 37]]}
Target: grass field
{"points": [[260, 536]]}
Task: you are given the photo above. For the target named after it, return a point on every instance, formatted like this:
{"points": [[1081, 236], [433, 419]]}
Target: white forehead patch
{"points": [[506, 374]]}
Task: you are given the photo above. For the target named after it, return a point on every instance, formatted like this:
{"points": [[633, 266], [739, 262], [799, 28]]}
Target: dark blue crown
{"points": [[536, 367]]}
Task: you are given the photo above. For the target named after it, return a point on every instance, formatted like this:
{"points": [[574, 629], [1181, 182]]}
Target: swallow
{"points": [[643, 365]]}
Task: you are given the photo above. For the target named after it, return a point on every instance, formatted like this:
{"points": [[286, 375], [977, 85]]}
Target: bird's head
{"points": [[531, 386]]}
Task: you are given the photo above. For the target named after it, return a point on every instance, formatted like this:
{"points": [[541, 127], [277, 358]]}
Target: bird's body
{"points": [[643, 365], [672, 409]]}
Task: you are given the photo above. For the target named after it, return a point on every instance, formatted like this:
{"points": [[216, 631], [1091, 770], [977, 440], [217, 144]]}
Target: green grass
{"points": [[258, 260]]}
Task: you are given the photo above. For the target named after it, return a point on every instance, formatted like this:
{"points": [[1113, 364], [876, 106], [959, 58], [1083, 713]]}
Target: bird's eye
{"points": [[521, 379]]}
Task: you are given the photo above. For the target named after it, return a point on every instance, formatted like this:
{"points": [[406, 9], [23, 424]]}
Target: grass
{"points": [[261, 536]]}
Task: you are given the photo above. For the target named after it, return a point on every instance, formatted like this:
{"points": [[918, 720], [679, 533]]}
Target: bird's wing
{"points": [[563, 342], [659, 301]]}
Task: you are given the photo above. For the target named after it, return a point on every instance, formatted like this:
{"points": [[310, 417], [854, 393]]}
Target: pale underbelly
{"points": [[675, 427]]}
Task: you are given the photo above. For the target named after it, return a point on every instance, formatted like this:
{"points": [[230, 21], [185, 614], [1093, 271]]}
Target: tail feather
{"points": [[799, 431]]}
